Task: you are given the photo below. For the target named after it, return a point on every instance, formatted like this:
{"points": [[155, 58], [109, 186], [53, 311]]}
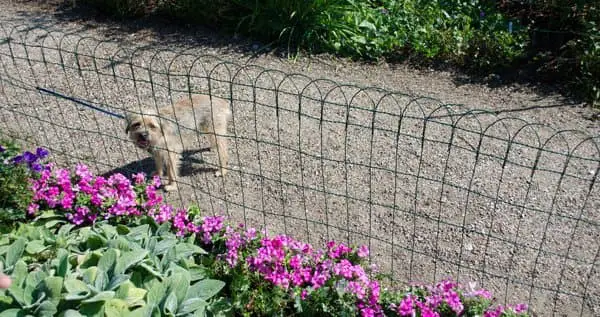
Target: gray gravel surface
{"points": [[434, 187]]}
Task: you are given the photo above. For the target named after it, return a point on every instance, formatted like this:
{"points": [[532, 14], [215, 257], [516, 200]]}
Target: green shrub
{"points": [[105, 270]]}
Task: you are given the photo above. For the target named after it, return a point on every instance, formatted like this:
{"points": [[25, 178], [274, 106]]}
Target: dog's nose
{"points": [[144, 135]]}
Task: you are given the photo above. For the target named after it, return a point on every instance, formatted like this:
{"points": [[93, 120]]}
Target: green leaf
{"points": [[145, 311], [76, 289], [139, 232], [19, 273], [101, 281], [70, 313], [170, 306], [179, 283], [62, 267], [14, 252], [89, 275], [151, 269], [205, 289], [115, 307], [107, 261], [47, 309], [156, 292], [117, 280], [129, 259], [13, 312], [184, 250], [95, 309], [164, 246], [197, 273], [192, 305], [368, 25], [132, 295], [100, 297], [53, 286], [35, 247]]}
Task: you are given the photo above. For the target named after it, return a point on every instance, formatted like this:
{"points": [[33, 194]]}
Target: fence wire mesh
{"points": [[433, 189]]}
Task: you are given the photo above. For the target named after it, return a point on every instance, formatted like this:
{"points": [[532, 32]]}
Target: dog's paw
{"points": [[171, 187]]}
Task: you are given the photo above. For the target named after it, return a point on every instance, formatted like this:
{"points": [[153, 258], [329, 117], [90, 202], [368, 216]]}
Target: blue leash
{"points": [[81, 102]]}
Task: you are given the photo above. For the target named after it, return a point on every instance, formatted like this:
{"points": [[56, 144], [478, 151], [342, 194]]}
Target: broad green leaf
{"points": [[53, 286], [47, 309], [32, 282], [197, 273], [164, 246], [108, 260], [205, 289], [128, 259], [132, 295], [170, 306], [109, 231], [65, 229], [184, 250], [70, 313], [12, 312], [89, 275], [139, 232], [19, 273], [14, 252], [101, 281], [95, 241], [4, 240], [100, 297], [156, 292], [116, 280], [179, 283], [120, 243], [150, 269], [95, 309], [35, 247], [145, 311], [122, 229], [62, 266], [368, 25], [89, 259], [115, 307], [53, 223], [192, 305], [76, 289]]}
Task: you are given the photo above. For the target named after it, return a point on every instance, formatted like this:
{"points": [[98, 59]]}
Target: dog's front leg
{"points": [[172, 159], [158, 163]]}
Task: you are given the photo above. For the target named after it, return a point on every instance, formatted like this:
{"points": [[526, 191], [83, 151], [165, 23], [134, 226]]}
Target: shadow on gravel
{"points": [[189, 165]]}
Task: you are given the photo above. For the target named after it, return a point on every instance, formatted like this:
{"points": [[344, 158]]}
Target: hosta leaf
{"points": [[120, 243], [65, 229], [192, 305], [170, 306], [100, 297], [109, 231], [14, 252], [13, 312], [132, 295], [35, 247], [33, 280], [205, 289], [128, 259], [89, 259], [197, 273], [108, 260], [115, 307]]}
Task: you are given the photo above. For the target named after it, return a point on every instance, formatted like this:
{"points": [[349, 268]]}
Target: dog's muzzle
{"points": [[142, 140]]}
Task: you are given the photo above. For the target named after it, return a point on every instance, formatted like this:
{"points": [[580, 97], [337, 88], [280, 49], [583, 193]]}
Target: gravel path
{"points": [[433, 189]]}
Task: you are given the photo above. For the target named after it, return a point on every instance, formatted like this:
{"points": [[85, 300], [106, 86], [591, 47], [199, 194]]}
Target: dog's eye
{"points": [[152, 126], [135, 126]]}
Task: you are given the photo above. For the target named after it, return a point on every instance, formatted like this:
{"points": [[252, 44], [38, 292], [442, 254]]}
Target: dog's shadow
{"points": [[187, 167]]}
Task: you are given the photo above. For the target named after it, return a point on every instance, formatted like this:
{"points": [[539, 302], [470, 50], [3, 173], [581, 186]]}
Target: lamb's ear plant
{"points": [[104, 270]]}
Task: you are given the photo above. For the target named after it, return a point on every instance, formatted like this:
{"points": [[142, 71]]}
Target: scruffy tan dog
{"points": [[158, 132]]}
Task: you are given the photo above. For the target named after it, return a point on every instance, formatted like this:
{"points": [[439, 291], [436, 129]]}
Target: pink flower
{"points": [[406, 306], [363, 251], [32, 209]]}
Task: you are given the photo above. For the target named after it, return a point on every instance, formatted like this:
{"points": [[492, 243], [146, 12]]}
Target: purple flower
{"points": [[36, 167], [41, 153], [363, 251], [17, 159], [29, 157], [2, 149]]}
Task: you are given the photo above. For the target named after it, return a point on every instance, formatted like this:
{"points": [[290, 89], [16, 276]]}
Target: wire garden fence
{"points": [[433, 189]]}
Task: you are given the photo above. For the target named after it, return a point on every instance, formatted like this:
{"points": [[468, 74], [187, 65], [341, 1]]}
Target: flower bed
{"points": [[262, 274]]}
